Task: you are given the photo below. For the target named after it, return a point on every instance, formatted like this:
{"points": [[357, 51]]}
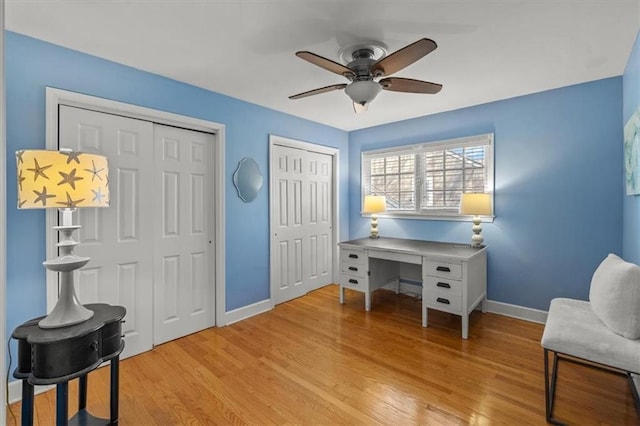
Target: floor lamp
{"points": [[65, 180]]}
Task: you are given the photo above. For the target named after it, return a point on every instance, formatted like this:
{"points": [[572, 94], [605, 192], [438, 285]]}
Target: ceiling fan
{"points": [[367, 64]]}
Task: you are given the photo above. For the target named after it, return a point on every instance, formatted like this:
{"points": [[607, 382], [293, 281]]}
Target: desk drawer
{"points": [[442, 285], [442, 269], [351, 268], [443, 301], [396, 257], [358, 257], [354, 282]]}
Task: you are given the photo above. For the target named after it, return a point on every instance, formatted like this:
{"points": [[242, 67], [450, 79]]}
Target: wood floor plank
{"points": [[314, 361]]}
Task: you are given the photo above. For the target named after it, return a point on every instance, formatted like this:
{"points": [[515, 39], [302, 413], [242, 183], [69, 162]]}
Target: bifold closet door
{"points": [[183, 237], [152, 250], [118, 239], [301, 221]]}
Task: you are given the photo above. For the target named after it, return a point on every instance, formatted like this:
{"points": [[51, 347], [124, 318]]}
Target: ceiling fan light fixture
{"points": [[364, 91], [358, 108]]}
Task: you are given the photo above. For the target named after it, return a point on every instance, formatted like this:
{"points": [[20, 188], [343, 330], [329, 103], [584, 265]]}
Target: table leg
{"points": [[465, 326], [82, 392], [367, 301], [341, 295], [115, 394], [425, 314], [27, 403], [62, 405]]}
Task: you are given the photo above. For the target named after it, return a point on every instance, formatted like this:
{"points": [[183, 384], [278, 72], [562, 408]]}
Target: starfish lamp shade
{"points": [[61, 179], [65, 180]]}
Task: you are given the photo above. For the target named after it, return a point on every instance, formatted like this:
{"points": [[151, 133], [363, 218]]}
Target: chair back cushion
{"points": [[615, 296]]}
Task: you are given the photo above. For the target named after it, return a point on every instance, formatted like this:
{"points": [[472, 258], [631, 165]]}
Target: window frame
{"points": [[486, 140]]}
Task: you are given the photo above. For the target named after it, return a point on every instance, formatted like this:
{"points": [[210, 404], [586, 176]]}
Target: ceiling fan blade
{"points": [[318, 91], [325, 63], [397, 84], [404, 57]]}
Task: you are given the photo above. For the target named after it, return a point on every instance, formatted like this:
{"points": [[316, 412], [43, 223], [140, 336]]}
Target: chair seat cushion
{"points": [[573, 329]]}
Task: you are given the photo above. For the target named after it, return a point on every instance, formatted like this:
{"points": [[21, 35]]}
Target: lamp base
{"points": [[477, 238], [373, 233], [68, 310]]}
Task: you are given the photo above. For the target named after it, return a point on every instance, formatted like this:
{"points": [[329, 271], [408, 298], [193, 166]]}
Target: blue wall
{"points": [[631, 204], [32, 64], [558, 175], [558, 202]]}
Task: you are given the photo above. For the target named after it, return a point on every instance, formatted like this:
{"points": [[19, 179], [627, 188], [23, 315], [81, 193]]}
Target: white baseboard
{"points": [[413, 290], [15, 390], [248, 311], [515, 311], [500, 308]]}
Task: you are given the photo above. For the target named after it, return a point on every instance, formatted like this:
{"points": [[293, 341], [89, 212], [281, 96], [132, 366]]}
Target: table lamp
{"points": [[65, 180], [374, 204], [476, 204]]}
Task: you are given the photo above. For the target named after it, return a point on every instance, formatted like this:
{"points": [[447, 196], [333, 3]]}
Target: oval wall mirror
{"points": [[247, 179]]}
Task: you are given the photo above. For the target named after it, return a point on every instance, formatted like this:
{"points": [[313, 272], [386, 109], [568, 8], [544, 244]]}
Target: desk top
{"points": [[420, 247]]}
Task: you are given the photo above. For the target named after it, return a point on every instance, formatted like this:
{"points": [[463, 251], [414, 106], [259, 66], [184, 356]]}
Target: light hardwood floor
{"points": [[313, 361]]}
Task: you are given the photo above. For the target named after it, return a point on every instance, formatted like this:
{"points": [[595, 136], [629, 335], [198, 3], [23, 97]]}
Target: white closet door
{"points": [[183, 236], [320, 234], [119, 239], [301, 221]]}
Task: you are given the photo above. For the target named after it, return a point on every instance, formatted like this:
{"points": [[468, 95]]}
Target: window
{"points": [[427, 180]]}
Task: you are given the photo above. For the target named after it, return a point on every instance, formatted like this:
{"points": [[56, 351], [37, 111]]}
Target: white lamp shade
{"points": [[477, 204], [374, 204], [61, 179]]}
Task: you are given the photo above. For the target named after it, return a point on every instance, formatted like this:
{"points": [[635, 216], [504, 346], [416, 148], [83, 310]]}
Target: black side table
{"points": [[57, 355]]}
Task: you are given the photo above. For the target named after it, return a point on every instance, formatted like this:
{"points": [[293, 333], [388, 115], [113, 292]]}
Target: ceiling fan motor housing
{"points": [[363, 60]]}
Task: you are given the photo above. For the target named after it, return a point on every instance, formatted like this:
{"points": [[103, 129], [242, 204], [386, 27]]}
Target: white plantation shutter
{"points": [[427, 180]]}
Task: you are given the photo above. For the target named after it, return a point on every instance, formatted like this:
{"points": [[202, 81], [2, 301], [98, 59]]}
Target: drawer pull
{"points": [[353, 256], [353, 268], [443, 300], [443, 285], [443, 269], [352, 281]]}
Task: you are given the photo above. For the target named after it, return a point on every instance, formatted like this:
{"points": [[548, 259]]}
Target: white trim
{"points": [[307, 146], [483, 139], [56, 97], [417, 216], [248, 311], [3, 215], [515, 311], [312, 147]]}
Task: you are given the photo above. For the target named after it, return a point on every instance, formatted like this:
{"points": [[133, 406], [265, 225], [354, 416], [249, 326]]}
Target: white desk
{"points": [[454, 276]]}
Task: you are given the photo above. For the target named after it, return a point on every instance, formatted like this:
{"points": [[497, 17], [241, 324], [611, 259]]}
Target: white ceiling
{"points": [[487, 50]]}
